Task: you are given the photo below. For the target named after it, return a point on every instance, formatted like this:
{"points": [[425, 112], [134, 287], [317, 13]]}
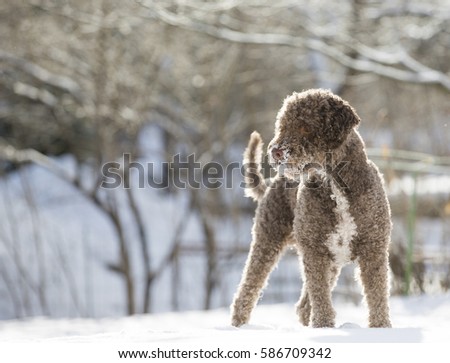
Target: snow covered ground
{"points": [[423, 319], [418, 319]]}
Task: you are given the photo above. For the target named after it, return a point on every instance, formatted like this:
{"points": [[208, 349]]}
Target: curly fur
{"points": [[330, 223]]}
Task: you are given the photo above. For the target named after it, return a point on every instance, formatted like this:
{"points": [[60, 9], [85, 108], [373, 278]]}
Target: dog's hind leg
{"points": [[263, 257], [271, 231], [303, 307]]}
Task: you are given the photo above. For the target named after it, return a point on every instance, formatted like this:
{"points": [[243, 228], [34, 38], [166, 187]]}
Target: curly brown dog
{"points": [[333, 214]]}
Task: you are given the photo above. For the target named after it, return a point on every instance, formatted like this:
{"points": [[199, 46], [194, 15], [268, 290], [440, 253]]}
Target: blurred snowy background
{"points": [[83, 82]]}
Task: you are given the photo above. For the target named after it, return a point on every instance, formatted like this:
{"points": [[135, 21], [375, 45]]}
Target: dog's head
{"points": [[308, 125]]}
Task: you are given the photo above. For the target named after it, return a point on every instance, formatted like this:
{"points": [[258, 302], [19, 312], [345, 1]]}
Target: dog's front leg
{"points": [[263, 256], [319, 279], [303, 306], [374, 278]]}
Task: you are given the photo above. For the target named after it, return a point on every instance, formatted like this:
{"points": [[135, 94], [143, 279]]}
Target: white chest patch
{"points": [[339, 241]]}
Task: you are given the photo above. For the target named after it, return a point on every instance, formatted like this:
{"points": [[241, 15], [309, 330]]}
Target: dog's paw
{"points": [[382, 323], [323, 324], [304, 317], [238, 321], [323, 320]]}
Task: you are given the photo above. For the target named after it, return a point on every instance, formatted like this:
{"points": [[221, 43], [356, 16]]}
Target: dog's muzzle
{"points": [[278, 155]]}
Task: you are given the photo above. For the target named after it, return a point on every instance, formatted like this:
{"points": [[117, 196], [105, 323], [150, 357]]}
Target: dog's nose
{"points": [[277, 154]]}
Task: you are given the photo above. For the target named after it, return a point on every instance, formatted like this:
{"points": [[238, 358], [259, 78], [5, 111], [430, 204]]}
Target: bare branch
{"points": [[227, 5], [35, 94], [417, 10], [114, 20], [62, 82], [425, 76], [417, 72], [184, 22], [10, 153]]}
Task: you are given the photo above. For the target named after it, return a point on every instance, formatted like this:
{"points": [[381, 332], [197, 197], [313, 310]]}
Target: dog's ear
{"points": [[342, 119]]}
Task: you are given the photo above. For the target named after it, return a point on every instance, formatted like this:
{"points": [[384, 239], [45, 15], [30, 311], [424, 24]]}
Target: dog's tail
{"points": [[255, 186]]}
